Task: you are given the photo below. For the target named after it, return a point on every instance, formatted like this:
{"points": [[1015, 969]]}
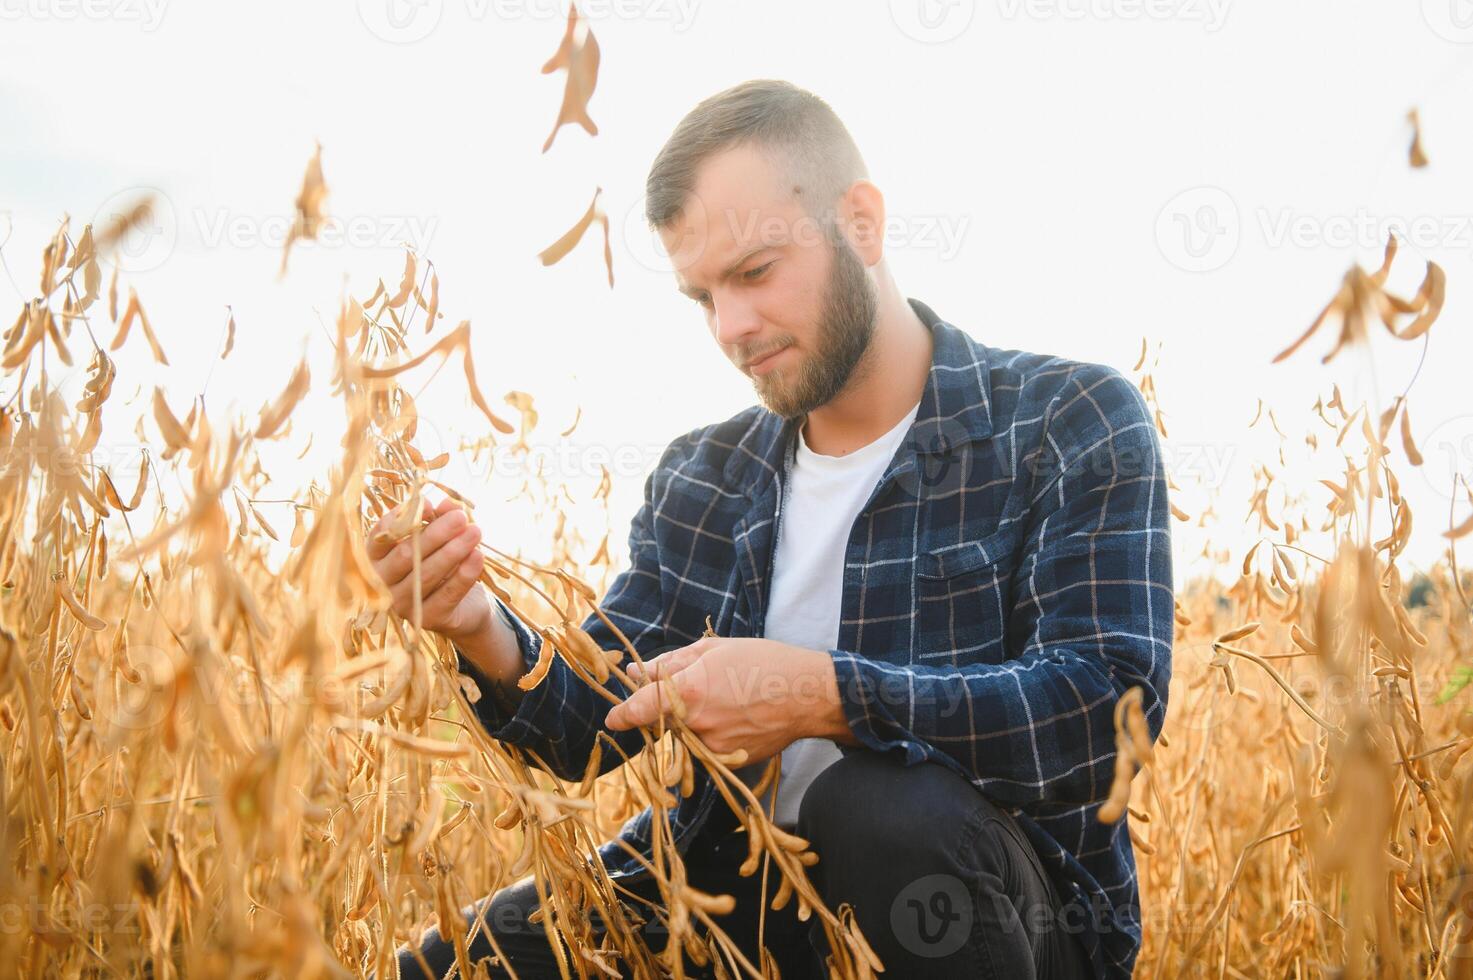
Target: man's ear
{"points": [[862, 216]]}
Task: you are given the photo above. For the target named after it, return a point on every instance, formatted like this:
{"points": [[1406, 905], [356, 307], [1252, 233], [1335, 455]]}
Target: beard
{"points": [[846, 327]]}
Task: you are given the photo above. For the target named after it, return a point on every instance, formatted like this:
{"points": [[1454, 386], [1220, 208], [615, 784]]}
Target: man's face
{"points": [[790, 304]]}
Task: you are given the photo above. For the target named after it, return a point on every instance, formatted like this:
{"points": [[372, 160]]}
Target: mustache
{"points": [[749, 356]]}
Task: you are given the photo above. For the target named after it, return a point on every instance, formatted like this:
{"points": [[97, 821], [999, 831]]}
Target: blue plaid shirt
{"points": [[1007, 580]]}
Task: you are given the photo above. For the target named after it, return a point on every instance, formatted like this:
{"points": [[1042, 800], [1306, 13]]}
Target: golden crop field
{"points": [[220, 755], [215, 764]]}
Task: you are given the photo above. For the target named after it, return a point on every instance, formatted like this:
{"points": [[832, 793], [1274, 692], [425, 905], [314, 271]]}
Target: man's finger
{"points": [[378, 548], [463, 576], [436, 568], [642, 707], [400, 561], [443, 600], [671, 663]]}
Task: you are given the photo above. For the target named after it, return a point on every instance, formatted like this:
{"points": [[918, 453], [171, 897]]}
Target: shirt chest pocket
{"points": [[963, 597]]}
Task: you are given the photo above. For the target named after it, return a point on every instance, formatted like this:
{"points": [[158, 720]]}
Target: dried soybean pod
{"points": [[1114, 807], [787, 841], [671, 774], [710, 904], [590, 775], [510, 816], [1237, 634], [534, 676], [586, 651], [1135, 720], [687, 776], [768, 775], [784, 893], [754, 846], [89, 621], [466, 806], [1301, 640]]}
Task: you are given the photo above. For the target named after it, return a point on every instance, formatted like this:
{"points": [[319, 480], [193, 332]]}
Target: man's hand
{"points": [[753, 694], [452, 604]]}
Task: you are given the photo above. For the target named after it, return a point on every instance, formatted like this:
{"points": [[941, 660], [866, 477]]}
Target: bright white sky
{"points": [[1044, 159]]}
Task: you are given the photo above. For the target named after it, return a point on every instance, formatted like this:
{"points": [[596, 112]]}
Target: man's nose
{"points": [[736, 321]]}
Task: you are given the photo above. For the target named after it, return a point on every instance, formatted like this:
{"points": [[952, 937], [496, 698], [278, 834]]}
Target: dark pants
{"points": [[943, 884]]}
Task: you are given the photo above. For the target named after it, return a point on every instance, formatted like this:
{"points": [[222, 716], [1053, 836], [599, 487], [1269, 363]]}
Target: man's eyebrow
{"points": [[730, 270]]}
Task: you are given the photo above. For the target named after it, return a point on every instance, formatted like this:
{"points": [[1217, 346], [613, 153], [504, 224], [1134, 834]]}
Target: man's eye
{"points": [[752, 275], [703, 300]]}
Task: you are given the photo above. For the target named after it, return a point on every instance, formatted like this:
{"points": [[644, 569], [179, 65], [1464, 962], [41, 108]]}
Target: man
{"points": [[932, 566]]}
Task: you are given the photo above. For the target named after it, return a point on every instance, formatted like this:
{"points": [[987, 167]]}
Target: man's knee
{"points": [[934, 870], [504, 915], [872, 800], [508, 911]]}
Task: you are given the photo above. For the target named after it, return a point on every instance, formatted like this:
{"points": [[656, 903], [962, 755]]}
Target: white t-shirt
{"points": [[824, 496]]}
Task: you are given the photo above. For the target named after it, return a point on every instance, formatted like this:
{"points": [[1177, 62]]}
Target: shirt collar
{"points": [[956, 407]]}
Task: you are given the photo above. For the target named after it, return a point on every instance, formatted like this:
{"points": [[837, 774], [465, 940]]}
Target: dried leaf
{"points": [[273, 416], [1415, 155], [577, 417], [560, 248], [135, 311], [115, 230], [1337, 306], [24, 340], [1407, 445], [88, 621], [1431, 294], [578, 55], [229, 336], [309, 206], [1460, 530], [299, 527], [432, 309], [406, 283], [265, 525], [169, 427], [1237, 634]]}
